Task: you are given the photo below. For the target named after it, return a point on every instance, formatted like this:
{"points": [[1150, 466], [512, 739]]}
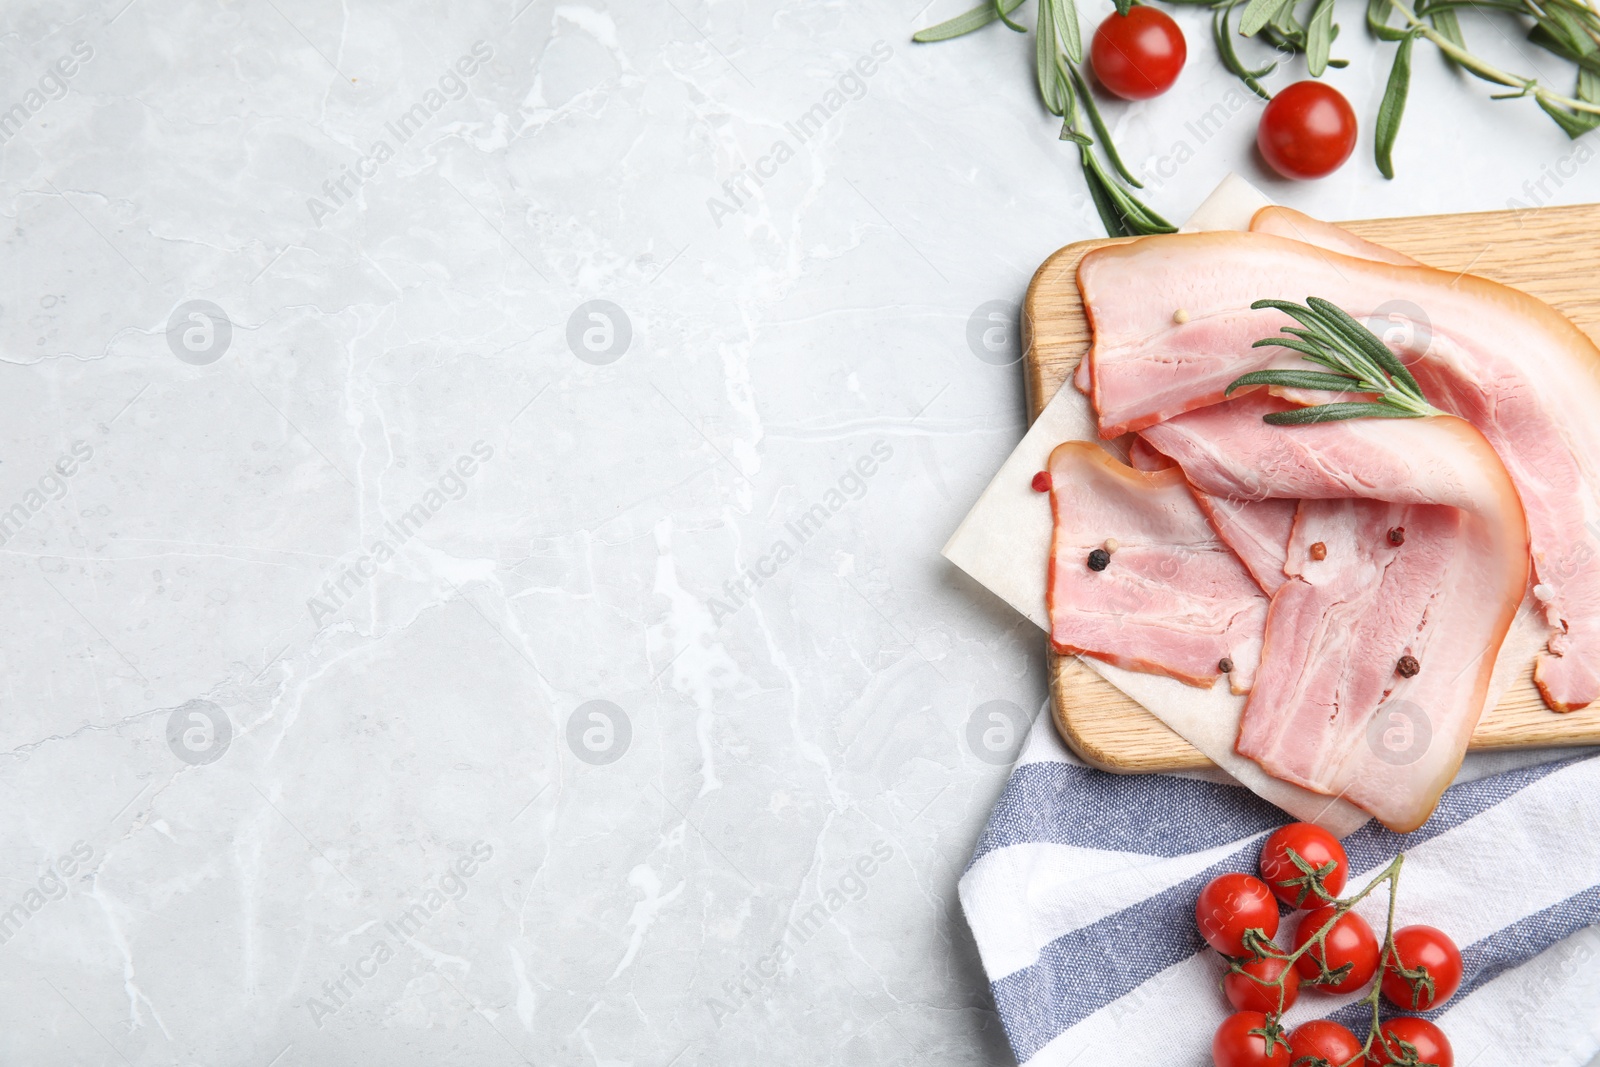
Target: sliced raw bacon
{"points": [[1173, 600], [1328, 684], [1512, 366]]}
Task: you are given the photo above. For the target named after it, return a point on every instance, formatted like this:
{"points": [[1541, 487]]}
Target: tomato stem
{"points": [[1262, 947], [1310, 880]]}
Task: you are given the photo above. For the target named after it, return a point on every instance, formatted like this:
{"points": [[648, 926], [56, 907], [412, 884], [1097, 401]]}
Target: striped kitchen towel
{"points": [[1081, 896]]}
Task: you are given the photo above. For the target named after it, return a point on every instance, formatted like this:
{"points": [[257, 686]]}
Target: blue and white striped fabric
{"points": [[1081, 898]]}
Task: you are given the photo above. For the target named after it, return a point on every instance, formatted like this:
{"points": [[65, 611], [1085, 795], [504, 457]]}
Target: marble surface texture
{"points": [[471, 548]]}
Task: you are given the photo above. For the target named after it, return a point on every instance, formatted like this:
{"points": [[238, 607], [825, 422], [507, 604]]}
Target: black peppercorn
{"points": [[1099, 559], [1397, 535], [1408, 666], [1225, 666]]}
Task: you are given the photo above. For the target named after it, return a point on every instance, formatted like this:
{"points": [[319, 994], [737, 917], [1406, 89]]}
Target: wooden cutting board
{"points": [[1551, 253]]}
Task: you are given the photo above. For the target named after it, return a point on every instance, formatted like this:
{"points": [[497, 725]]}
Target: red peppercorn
{"points": [[1041, 482], [1397, 535], [1319, 551]]}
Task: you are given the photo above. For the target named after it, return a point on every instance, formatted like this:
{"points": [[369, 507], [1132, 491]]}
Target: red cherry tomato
{"points": [[1237, 1045], [1229, 905], [1314, 845], [1245, 993], [1350, 941], [1429, 1041], [1138, 55], [1430, 949], [1325, 1040], [1307, 131]]}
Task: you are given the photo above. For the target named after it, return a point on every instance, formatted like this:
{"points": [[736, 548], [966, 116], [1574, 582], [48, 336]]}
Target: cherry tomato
{"points": [[1236, 1045], [1429, 1041], [1229, 905], [1350, 941], [1245, 993], [1138, 55], [1307, 131], [1430, 949], [1324, 1040], [1314, 845]]}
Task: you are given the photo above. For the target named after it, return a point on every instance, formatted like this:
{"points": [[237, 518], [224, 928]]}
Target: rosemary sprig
{"points": [[1281, 27], [1357, 361], [1569, 29], [1562, 27], [975, 19], [1058, 55]]}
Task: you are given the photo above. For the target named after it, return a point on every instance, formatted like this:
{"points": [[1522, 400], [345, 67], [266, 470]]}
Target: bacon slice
{"points": [[1173, 601], [1320, 711], [1512, 366], [1298, 226]]}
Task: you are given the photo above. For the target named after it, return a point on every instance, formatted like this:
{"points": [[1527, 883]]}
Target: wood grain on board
{"points": [[1551, 253]]}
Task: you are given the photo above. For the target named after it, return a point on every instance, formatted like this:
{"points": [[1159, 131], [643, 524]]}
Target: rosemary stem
{"points": [[1488, 70]]}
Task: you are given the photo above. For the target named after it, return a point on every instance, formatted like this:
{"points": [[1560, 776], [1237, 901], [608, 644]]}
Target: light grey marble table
{"points": [[471, 488]]}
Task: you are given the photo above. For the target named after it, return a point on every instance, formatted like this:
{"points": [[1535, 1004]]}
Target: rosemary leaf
{"points": [[1110, 217], [1449, 26], [1296, 379], [1257, 13], [1045, 60], [1100, 129], [1223, 36], [1563, 25], [1378, 21], [1002, 14], [1319, 38], [975, 19], [1306, 348], [1572, 124], [1337, 412], [1066, 19], [1393, 107], [1589, 86], [1069, 100], [1285, 23]]}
